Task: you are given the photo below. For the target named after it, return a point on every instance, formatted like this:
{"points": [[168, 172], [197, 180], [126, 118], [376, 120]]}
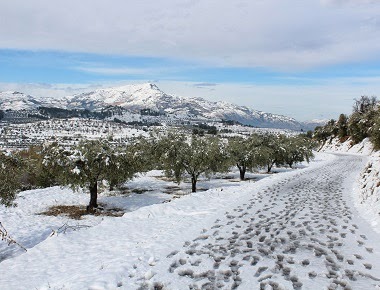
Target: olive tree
{"points": [[34, 173], [297, 149], [273, 150], [180, 156], [246, 153], [10, 171], [89, 162]]}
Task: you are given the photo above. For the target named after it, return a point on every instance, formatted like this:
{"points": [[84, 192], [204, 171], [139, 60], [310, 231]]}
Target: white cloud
{"points": [[347, 2], [286, 34], [51, 90], [117, 70]]}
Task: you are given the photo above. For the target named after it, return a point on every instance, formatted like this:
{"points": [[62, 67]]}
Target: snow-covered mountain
{"points": [[17, 101], [149, 96], [314, 123]]}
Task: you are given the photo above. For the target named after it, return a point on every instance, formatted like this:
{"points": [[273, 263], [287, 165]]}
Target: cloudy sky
{"points": [[305, 59]]}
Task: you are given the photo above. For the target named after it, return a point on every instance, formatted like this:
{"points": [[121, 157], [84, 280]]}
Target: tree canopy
{"points": [[89, 162], [10, 171], [195, 156], [247, 153], [362, 123]]}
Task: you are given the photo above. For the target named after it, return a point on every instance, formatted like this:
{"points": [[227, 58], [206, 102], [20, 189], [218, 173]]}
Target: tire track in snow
{"points": [[299, 233]]}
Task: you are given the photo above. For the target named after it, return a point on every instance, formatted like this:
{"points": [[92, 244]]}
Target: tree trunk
{"points": [[269, 167], [242, 170], [324, 142], [193, 184], [93, 197]]}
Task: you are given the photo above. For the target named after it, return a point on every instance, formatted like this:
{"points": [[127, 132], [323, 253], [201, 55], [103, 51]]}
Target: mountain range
{"points": [[148, 96]]}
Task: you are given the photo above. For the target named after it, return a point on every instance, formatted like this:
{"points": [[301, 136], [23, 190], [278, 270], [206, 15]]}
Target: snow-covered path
{"points": [[299, 233], [294, 230]]}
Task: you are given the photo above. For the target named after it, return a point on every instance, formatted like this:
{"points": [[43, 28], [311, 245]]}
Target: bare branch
{"points": [[8, 239]]}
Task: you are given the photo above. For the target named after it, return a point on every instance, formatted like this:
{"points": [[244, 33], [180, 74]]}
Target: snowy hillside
{"points": [[18, 101]]}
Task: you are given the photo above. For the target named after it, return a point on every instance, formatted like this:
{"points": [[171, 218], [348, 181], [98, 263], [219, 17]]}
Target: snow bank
{"points": [[334, 145], [367, 187]]}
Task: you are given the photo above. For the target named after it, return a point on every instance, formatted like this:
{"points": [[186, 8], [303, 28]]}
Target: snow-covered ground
{"points": [[294, 230]]}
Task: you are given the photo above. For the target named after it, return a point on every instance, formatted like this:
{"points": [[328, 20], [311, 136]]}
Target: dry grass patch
{"points": [[77, 212]]}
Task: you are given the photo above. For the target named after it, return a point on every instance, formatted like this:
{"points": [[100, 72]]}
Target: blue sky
{"points": [[41, 66], [254, 53]]}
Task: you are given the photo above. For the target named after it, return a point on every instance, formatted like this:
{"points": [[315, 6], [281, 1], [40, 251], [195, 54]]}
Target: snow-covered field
{"points": [[294, 230]]}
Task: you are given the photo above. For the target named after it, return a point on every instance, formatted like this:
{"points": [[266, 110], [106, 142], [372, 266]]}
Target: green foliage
{"points": [[323, 133], [201, 129], [375, 132], [357, 128], [362, 119], [342, 125], [10, 171], [273, 150], [89, 162], [282, 150], [309, 134], [297, 149], [362, 123], [199, 155], [34, 173], [198, 132], [364, 105], [247, 154]]}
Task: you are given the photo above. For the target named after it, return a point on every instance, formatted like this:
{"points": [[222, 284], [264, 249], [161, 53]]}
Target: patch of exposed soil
{"points": [[77, 212]]}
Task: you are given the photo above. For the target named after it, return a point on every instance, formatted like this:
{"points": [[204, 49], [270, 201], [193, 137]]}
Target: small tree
{"points": [[297, 149], [199, 155], [360, 125], [321, 134], [375, 132], [342, 126], [272, 150], [34, 172], [246, 154], [10, 170], [364, 104], [90, 162]]}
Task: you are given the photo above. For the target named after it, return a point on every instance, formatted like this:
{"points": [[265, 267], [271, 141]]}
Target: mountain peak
{"points": [[13, 100], [136, 97], [133, 88]]}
